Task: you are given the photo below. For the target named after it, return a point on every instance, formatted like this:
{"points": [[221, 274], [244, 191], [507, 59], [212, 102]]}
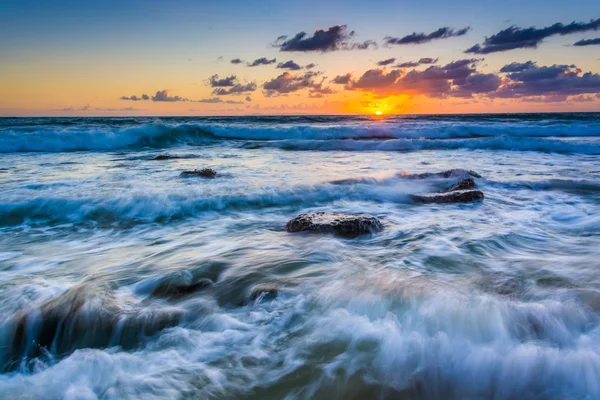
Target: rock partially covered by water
{"points": [[445, 174], [175, 289], [203, 173], [263, 293], [343, 224], [164, 157], [464, 184], [459, 196]]}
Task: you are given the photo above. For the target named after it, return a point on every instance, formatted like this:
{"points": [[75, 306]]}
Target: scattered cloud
{"points": [[289, 83], [310, 66], [342, 79], [587, 42], [248, 98], [261, 61], [386, 62], [214, 81], [420, 38], [163, 95], [522, 38], [412, 64], [236, 61], [291, 65], [334, 38], [238, 88], [135, 98], [216, 100]]}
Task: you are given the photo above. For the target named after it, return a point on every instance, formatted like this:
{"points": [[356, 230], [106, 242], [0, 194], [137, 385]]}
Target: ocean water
{"points": [[120, 279]]}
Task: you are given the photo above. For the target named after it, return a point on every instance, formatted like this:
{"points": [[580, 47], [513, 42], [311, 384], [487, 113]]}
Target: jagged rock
{"points": [[164, 157], [343, 224], [459, 196], [464, 184], [444, 174], [203, 173]]}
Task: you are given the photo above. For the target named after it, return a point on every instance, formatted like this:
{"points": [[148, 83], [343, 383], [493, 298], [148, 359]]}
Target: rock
{"points": [[179, 289], [264, 293], [445, 174], [164, 157], [349, 225], [459, 196], [203, 173], [464, 184]]}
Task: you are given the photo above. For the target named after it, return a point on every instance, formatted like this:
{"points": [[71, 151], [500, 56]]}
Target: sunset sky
{"points": [[250, 57]]}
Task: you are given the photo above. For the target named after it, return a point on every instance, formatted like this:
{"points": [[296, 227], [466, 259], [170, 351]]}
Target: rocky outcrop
{"points": [[464, 184], [444, 174], [458, 196], [202, 173], [348, 225]]}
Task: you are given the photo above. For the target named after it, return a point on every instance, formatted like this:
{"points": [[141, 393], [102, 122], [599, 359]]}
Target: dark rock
{"points": [[180, 289], [203, 173], [464, 184], [164, 157], [444, 174], [264, 293], [459, 196], [343, 224]]}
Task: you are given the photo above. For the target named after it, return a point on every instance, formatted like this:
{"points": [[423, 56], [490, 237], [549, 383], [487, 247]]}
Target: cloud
{"points": [[529, 79], [225, 82], [238, 88], [411, 64], [236, 61], [310, 66], [215, 100], [587, 42], [419, 38], [132, 98], [289, 83], [291, 65], [116, 109], [163, 95], [145, 97], [334, 38], [248, 98], [342, 79], [386, 62], [375, 78], [261, 61], [522, 38]]}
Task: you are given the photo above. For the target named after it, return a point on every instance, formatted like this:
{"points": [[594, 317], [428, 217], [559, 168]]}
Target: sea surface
{"points": [[119, 279]]}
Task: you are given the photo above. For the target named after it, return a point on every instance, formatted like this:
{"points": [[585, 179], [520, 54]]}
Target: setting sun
{"points": [[378, 112]]}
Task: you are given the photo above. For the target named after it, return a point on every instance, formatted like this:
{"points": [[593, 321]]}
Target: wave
{"points": [[401, 135]]}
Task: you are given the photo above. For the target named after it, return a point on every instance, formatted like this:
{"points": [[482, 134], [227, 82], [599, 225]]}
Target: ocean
{"points": [[121, 279]]}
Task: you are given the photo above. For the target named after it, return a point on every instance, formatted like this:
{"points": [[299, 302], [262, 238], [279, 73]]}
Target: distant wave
{"points": [[399, 136]]}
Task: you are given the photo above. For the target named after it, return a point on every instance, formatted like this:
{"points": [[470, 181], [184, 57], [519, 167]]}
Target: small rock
{"points": [[349, 225], [264, 293], [459, 196], [204, 173], [180, 289], [464, 184], [164, 157]]}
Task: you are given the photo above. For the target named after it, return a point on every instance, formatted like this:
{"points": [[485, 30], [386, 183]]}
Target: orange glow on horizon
{"points": [[378, 112]]}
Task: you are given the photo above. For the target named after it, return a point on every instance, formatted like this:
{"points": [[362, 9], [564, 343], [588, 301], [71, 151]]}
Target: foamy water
{"points": [[119, 279]]}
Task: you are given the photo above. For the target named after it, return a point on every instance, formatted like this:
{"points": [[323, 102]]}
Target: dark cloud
{"points": [[475, 84], [145, 97], [334, 38], [422, 61], [262, 61], [419, 38], [238, 88], [310, 66], [163, 95], [522, 38], [375, 78], [248, 98], [236, 61], [530, 80], [587, 42], [132, 98], [386, 62], [342, 79], [225, 82], [289, 83], [291, 65], [216, 100]]}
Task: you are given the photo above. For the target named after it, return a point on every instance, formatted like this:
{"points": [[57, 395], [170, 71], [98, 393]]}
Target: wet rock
{"points": [[445, 174], [203, 173], [164, 157], [459, 196], [464, 184], [349, 225], [180, 289], [263, 293]]}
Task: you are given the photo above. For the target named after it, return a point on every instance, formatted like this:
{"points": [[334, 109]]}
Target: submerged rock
{"points": [[464, 184], [445, 174], [179, 289], [264, 293], [459, 196], [164, 157], [343, 224], [203, 173]]}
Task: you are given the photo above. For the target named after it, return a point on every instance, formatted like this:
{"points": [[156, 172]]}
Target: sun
{"points": [[378, 112]]}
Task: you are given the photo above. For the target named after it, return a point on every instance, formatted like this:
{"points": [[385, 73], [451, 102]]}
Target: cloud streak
{"points": [[262, 61], [529, 38], [587, 42], [334, 38], [420, 38]]}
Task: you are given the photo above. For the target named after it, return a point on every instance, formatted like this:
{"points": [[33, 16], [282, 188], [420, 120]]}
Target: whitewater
{"points": [[121, 279]]}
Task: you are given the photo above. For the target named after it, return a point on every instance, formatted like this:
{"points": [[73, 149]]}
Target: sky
{"points": [[230, 57]]}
